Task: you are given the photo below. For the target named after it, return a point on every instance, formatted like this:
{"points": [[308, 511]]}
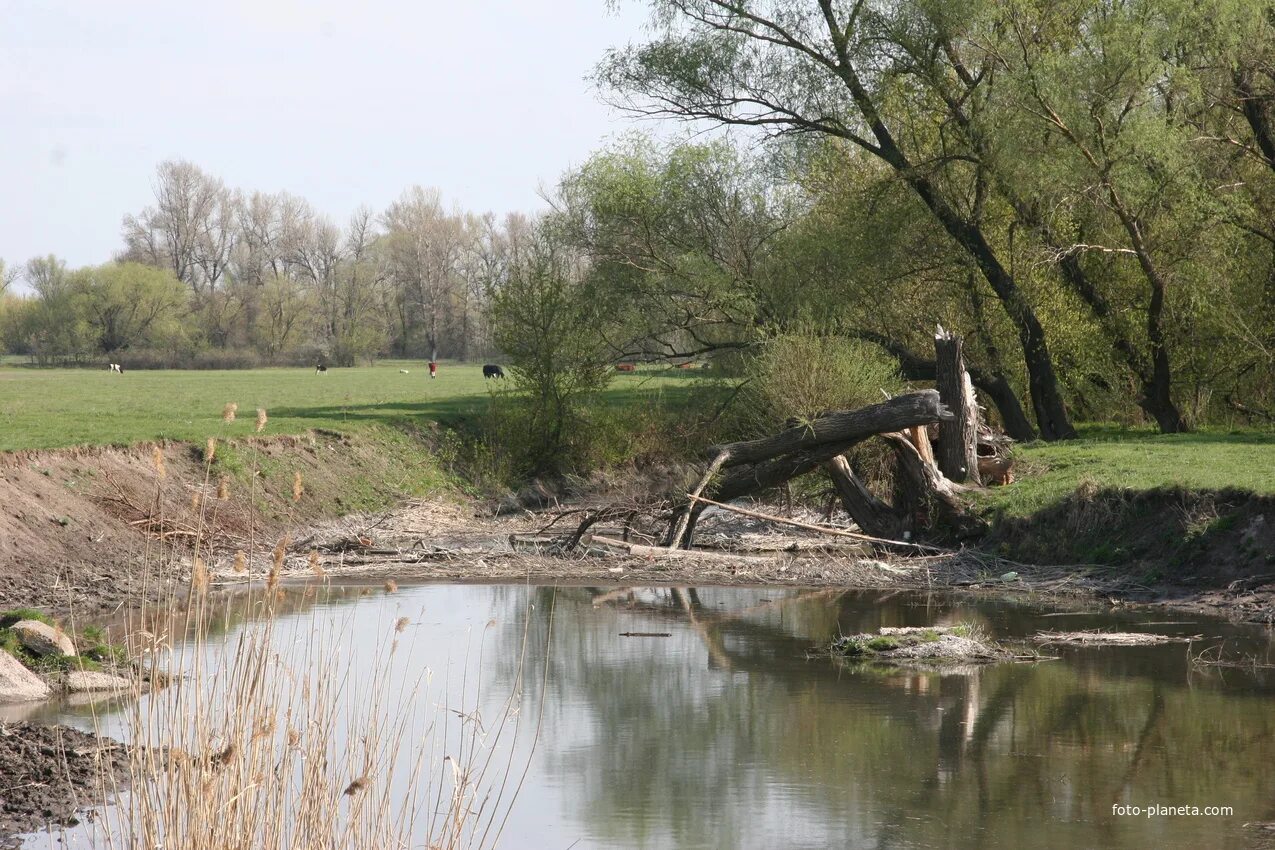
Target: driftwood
{"points": [[1101, 638], [663, 553], [844, 427], [834, 532]]}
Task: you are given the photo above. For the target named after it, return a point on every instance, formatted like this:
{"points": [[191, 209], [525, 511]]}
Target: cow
{"points": [[403, 372], [115, 367], [320, 369], [491, 370], [625, 367]]}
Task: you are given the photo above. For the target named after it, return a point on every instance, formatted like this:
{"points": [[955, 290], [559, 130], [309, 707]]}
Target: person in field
{"points": [[433, 369]]}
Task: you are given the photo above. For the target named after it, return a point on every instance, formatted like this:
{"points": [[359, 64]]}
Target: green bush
{"points": [[803, 373], [552, 329]]}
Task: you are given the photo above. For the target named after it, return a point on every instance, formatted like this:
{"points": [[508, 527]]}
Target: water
{"points": [[729, 733]]}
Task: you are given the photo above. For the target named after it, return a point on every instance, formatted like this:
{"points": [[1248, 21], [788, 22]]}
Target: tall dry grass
{"points": [[273, 735]]}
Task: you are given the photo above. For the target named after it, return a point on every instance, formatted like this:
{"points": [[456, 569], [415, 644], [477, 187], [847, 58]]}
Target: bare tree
{"points": [[190, 230]]}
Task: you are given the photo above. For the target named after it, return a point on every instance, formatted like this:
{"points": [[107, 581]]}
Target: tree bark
{"points": [[923, 491], [842, 427], [958, 436], [873, 516], [997, 387]]}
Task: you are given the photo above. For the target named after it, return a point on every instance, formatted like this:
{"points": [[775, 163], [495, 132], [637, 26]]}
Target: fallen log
{"points": [[922, 487], [661, 553], [845, 427], [872, 515]]}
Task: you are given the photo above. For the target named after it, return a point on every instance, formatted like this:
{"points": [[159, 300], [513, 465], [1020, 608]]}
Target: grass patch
{"points": [[1106, 458], [54, 408], [17, 615]]}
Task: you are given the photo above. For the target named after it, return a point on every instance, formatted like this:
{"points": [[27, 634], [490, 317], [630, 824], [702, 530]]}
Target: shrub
{"points": [[803, 373], [549, 325]]}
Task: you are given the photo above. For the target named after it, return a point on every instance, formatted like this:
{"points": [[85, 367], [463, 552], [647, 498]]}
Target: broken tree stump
{"points": [[958, 436]]}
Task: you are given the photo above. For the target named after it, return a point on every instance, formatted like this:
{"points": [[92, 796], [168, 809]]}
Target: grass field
{"points": [[53, 408], [1138, 460]]}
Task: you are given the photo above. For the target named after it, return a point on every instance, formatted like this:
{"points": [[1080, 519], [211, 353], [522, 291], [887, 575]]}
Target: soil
{"points": [[89, 529], [49, 773], [92, 530]]}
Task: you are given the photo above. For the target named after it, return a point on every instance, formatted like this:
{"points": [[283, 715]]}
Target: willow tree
{"points": [[827, 69], [676, 239]]}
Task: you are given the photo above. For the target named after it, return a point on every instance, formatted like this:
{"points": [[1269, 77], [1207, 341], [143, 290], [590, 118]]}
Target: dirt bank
{"points": [[50, 773], [1212, 548], [86, 529]]}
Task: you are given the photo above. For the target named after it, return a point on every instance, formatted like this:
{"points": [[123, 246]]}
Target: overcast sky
{"points": [[341, 102]]}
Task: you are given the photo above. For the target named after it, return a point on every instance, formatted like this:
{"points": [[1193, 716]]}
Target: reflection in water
{"points": [[728, 733]]}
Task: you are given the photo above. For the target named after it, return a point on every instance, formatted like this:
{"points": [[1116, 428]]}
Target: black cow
{"points": [[491, 370], [320, 369]]}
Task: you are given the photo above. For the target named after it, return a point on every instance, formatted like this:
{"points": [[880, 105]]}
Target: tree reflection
{"points": [[729, 733]]}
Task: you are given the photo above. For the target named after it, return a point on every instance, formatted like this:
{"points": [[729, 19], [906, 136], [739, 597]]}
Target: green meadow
{"points": [[54, 408]]}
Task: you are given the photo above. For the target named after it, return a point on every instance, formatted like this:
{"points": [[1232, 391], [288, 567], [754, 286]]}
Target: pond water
{"points": [[729, 732]]}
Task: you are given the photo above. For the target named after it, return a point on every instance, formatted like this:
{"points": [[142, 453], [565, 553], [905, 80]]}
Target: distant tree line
{"points": [[213, 276]]}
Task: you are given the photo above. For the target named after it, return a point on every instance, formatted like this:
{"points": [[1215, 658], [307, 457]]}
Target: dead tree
{"points": [[958, 436], [752, 465], [871, 514]]}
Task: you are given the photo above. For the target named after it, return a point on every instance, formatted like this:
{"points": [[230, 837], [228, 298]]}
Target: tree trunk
{"points": [[958, 436], [873, 516], [840, 427], [997, 387], [923, 491]]}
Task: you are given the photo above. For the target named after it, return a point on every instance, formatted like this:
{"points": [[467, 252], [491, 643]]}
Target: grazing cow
{"points": [[403, 372], [115, 367], [320, 369], [491, 370], [625, 367]]}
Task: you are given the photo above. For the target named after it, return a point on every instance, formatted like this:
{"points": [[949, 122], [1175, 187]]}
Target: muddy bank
{"points": [[1212, 550], [431, 541], [52, 772], [90, 530], [87, 529]]}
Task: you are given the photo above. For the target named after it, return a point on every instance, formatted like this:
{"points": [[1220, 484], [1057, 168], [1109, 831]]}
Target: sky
{"points": [[343, 103]]}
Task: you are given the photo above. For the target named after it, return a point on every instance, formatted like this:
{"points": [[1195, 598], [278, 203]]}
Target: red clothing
{"points": [[433, 369]]}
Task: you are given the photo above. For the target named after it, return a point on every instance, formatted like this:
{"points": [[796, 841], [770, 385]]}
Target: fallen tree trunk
{"points": [[872, 515], [842, 427], [924, 492]]}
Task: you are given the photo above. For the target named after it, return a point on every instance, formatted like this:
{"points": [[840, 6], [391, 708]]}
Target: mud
{"points": [[50, 774]]}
